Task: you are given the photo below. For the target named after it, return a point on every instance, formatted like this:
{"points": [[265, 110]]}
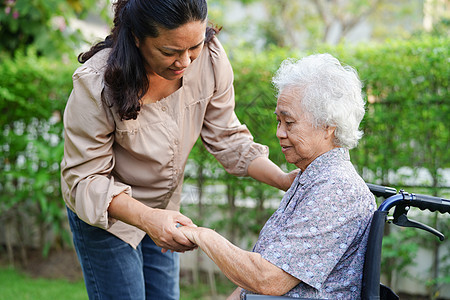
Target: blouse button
{"points": [[163, 108], [176, 142]]}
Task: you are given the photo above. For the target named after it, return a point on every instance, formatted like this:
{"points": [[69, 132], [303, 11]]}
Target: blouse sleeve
{"points": [[223, 135], [87, 185]]}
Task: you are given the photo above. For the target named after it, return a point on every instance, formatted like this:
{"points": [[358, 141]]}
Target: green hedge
{"points": [[407, 86], [33, 92]]}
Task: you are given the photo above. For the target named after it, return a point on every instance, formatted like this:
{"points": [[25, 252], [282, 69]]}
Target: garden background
{"points": [[401, 52]]}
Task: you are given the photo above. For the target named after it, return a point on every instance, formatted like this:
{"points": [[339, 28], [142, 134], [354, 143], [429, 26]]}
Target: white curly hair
{"points": [[328, 92]]}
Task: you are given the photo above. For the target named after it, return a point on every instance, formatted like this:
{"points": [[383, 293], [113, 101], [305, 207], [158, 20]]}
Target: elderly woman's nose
{"points": [[281, 131]]}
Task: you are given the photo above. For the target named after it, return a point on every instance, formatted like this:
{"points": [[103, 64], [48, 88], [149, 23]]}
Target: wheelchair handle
{"points": [[381, 191], [431, 203], [423, 202]]}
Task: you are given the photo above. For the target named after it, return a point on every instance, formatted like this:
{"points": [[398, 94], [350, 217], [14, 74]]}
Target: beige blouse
{"points": [[146, 157]]}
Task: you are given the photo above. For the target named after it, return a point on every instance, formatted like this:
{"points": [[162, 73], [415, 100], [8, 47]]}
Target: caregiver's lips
{"points": [[177, 72]]}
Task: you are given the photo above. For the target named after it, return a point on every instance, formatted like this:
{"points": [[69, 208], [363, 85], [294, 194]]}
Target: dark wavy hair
{"points": [[125, 74]]}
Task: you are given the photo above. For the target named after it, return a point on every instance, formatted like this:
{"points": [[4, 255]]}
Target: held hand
{"points": [[161, 226], [190, 233]]}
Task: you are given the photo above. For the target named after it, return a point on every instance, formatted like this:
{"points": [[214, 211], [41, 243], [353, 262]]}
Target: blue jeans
{"points": [[112, 269]]}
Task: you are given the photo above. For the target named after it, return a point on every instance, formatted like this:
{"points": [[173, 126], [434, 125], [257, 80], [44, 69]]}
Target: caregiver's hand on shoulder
{"points": [[287, 179], [264, 170]]}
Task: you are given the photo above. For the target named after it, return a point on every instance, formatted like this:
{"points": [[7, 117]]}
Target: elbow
{"points": [[270, 290], [267, 285], [264, 278]]}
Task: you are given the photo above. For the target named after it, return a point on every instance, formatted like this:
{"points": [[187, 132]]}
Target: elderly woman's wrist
{"points": [[201, 234]]}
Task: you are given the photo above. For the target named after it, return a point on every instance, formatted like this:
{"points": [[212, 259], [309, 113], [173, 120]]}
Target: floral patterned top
{"points": [[319, 232]]}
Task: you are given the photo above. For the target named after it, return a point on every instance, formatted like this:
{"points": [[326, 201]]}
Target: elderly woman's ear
{"points": [[329, 132]]}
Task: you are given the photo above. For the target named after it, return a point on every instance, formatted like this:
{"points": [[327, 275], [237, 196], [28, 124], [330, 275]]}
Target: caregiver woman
{"points": [[139, 102]]}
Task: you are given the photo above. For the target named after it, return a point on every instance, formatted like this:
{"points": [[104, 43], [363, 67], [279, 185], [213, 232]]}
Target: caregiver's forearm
{"points": [[264, 170], [159, 224]]}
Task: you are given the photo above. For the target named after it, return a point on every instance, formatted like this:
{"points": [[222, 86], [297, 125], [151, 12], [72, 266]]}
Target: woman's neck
{"points": [[160, 88]]}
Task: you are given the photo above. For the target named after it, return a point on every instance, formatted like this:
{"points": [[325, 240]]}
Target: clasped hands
{"points": [[190, 232]]}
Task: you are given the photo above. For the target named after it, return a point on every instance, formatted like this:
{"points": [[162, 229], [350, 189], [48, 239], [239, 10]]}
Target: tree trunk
{"points": [[231, 197]]}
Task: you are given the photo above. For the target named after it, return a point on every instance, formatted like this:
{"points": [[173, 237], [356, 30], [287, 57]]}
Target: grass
{"points": [[19, 286], [202, 290]]}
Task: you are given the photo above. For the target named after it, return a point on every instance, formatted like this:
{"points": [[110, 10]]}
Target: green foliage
{"points": [[255, 95], [33, 92], [439, 272], [399, 251], [406, 124], [43, 25]]}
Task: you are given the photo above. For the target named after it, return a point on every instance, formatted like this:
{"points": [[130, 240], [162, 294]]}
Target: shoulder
{"points": [[94, 67], [216, 49], [88, 92], [336, 177], [220, 64], [332, 165], [89, 77], [337, 180], [211, 72], [218, 56]]}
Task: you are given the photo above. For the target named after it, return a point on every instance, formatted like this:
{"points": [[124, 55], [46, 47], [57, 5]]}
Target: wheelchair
{"points": [[400, 202]]}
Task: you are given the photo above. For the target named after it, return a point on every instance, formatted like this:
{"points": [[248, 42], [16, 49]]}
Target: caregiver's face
{"points": [[169, 54]]}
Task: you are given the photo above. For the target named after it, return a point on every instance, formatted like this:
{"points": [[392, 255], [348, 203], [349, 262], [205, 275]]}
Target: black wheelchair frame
{"points": [[401, 202]]}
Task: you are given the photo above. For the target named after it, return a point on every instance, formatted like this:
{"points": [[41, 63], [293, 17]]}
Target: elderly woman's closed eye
{"points": [[313, 245]]}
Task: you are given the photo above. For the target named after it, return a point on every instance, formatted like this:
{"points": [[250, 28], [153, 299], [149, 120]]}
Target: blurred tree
{"points": [[303, 24], [43, 24], [435, 13]]}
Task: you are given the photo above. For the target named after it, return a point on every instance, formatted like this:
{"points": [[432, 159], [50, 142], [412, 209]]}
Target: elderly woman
{"points": [[313, 245]]}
